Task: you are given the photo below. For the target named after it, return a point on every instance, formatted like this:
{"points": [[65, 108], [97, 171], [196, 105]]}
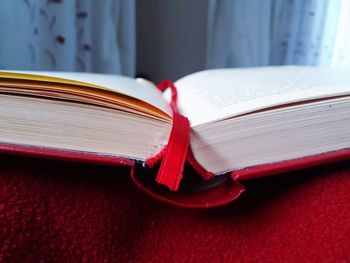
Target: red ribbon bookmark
{"points": [[177, 151]]}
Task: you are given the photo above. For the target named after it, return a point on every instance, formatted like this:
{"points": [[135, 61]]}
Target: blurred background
{"points": [[168, 39]]}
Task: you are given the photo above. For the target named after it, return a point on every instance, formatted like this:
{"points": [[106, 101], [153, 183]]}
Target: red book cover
{"points": [[217, 192]]}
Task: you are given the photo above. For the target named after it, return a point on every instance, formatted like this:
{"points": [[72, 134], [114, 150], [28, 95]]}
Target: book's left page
{"points": [[138, 94], [83, 113]]}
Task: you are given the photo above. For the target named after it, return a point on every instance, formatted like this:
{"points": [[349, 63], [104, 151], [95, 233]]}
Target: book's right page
{"points": [[213, 95]]}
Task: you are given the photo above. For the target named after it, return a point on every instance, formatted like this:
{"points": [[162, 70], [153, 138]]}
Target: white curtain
{"points": [[74, 35], [244, 33], [341, 55]]}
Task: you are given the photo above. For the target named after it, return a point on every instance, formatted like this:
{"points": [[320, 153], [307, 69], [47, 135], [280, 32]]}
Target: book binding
{"points": [[177, 151]]}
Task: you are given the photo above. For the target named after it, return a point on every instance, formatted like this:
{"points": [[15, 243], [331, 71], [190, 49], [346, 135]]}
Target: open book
{"points": [[240, 118]]}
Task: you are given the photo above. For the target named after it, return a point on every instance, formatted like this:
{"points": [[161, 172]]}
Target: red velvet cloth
{"points": [[52, 211]]}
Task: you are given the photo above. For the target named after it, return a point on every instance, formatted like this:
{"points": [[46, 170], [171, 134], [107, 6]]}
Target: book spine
{"points": [[177, 151]]}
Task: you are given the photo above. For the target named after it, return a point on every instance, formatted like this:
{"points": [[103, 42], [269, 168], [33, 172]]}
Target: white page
{"points": [[137, 88], [213, 95]]}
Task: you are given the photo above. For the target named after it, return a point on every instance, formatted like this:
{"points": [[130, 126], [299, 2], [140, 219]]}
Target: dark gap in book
{"points": [[191, 182], [143, 76]]}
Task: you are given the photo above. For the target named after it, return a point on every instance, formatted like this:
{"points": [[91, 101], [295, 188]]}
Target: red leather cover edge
{"points": [[64, 155], [291, 165], [217, 196], [228, 192]]}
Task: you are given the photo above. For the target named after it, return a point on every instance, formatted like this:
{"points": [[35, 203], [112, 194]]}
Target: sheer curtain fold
{"points": [[80, 35], [238, 33], [245, 33]]}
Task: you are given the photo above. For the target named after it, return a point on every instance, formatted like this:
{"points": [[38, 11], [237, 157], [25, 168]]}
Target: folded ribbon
{"points": [[178, 150]]}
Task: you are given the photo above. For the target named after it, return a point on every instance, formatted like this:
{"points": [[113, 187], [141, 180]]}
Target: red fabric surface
{"points": [[64, 212]]}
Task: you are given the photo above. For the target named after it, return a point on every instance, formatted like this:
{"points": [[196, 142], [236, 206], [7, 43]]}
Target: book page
{"points": [[214, 95], [136, 88]]}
